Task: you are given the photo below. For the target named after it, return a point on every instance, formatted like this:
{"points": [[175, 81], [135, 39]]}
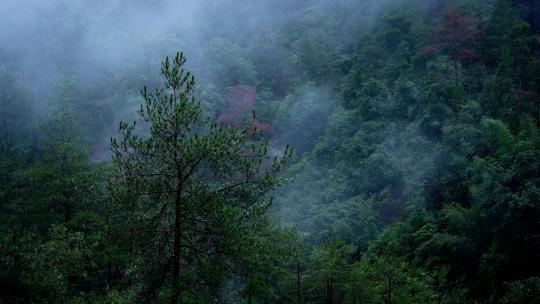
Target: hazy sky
{"points": [[105, 42]]}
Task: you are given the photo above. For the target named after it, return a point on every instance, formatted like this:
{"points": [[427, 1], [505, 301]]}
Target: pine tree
{"points": [[190, 186], [64, 170]]}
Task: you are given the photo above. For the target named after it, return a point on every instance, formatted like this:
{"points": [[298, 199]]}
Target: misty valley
{"points": [[270, 151]]}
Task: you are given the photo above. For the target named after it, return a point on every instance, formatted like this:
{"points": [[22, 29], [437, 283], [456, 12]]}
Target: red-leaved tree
{"points": [[241, 103], [456, 37]]}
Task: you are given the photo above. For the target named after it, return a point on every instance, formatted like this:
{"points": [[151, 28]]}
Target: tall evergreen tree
{"points": [[63, 173], [190, 187]]}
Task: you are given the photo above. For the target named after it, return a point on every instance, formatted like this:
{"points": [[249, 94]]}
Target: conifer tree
{"points": [[63, 171], [192, 187]]}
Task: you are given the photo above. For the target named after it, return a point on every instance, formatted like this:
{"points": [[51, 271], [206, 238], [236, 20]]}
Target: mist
{"points": [[326, 151], [107, 45], [114, 48]]}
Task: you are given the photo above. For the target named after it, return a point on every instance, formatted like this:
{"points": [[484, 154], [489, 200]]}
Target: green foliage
{"points": [[417, 178], [192, 191], [523, 291], [228, 63]]}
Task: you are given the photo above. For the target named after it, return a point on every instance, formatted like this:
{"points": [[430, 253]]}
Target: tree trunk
{"points": [[112, 273], [67, 212], [469, 84], [66, 193], [298, 287], [456, 73], [326, 291], [389, 291], [177, 248], [537, 112], [330, 291]]}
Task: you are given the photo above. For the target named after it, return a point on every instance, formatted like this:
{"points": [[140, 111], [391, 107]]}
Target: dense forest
{"points": [[272, 151]]}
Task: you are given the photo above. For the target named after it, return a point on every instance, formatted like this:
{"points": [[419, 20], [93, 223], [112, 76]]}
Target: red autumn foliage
{"points": [[456, 36], [241, 103], [431, 49], [265, 128], [525, 94]]}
